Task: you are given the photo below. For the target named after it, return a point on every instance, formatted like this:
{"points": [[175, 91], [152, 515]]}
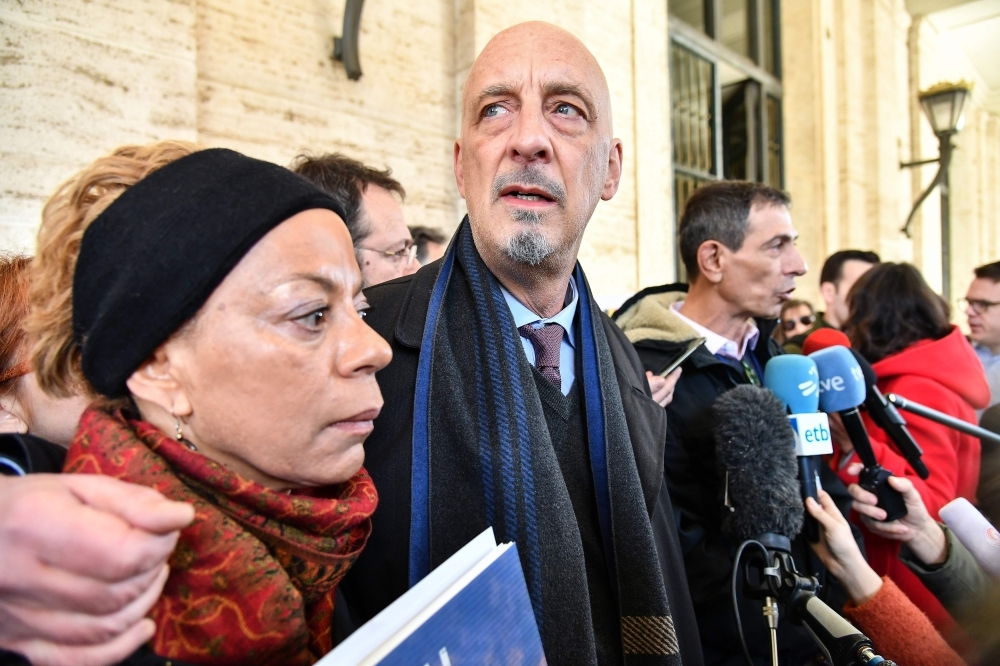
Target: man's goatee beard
{"points": [[528, 246]]}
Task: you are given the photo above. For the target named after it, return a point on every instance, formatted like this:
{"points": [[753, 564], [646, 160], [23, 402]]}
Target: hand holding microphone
{"points": [[921, 532], [839, 552], [842, 389], [916, 528]]}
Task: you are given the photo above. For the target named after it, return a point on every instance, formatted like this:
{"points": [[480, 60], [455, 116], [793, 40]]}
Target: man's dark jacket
{"points": [[696, 486], [398, 310]]}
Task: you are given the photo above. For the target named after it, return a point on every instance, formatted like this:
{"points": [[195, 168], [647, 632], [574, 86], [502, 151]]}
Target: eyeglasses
{"points": [[406, 255], [978, 306], [805, 320]]}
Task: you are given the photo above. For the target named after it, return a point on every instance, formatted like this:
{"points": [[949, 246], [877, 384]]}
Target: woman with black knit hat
{"points": [[213, 302]]}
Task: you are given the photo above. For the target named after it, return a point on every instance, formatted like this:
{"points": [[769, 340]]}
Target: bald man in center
{"points": [[512, 401]]}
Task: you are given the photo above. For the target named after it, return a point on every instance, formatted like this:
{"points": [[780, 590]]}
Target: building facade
{"points": [[817, 96]]}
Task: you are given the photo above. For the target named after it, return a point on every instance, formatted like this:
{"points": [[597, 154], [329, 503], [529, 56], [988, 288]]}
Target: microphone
{"points": [[755, 447], [975, 532], [823, 338], [842, 389], [943, 419], [887, 417], [795, 381], [882, 412]]}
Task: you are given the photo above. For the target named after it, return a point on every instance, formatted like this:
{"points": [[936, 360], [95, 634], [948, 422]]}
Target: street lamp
{"points": [[944, 105]]}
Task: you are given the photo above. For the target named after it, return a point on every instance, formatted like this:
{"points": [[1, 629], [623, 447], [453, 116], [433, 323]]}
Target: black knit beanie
{"points": [[155, 255]]}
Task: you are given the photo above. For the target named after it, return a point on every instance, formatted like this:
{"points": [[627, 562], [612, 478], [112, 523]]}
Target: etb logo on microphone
{"points": [[812, 434]]}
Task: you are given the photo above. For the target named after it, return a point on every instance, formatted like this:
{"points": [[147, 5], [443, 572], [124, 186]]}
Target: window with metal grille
{"points": [[725, 81]]}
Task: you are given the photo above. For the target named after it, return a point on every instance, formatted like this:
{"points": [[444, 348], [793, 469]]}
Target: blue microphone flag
{"points": [[795, 380], [841, 382]]}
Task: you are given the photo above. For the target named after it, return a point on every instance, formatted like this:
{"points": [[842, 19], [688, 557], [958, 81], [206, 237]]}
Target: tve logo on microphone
{"points": [[812, 434], [837, 383], [841, 381]]}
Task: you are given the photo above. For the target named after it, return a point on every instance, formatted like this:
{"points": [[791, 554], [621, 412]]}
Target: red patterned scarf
{"points": [[252, 580]]}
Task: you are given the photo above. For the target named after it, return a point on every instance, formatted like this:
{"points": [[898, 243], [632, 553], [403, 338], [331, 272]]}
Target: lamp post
{"points": [[944, 105]]}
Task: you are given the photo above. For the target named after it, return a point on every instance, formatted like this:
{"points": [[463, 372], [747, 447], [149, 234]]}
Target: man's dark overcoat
{"points": [[696, 482], [398, 312]]}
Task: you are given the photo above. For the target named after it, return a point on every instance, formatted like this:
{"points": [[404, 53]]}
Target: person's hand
{"points": [[84, 559], [839, 552], [916, 529], [662, 388], [839, 434]]}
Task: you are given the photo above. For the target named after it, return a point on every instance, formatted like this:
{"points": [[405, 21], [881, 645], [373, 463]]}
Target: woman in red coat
{"points": [[901, 326]]}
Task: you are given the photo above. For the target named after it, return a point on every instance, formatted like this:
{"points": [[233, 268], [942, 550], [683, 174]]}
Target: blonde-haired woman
{"points": [[213, 302], [24, 407]]}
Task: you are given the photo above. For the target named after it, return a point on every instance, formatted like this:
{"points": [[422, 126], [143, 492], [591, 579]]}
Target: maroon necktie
{"points": [[547, 342]]}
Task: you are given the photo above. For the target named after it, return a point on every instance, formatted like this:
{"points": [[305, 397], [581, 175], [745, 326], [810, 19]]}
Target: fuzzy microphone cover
{"points": [[756, 445], [155, 255]]}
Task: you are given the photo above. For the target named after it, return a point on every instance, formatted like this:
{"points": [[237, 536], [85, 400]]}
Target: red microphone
{"points": [[823, 338]]}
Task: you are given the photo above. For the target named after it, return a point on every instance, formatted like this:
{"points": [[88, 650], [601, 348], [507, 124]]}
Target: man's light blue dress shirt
{"points": [[522, 316]]}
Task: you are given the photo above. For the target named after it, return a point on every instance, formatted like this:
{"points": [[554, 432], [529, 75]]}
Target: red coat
{"points": [[947, 376]]}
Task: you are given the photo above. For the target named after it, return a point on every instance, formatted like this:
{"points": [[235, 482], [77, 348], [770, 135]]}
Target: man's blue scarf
{"points": [[482, 456]]}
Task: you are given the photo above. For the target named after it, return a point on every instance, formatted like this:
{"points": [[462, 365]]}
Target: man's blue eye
{"points": [[566, 110], [492, 110]]}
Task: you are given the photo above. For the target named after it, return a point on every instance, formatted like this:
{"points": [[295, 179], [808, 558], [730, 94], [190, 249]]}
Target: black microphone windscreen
{"points": [[756, 446], [866, 369]]}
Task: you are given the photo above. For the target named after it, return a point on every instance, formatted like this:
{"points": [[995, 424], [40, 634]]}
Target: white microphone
{"points": [[975, 532]]}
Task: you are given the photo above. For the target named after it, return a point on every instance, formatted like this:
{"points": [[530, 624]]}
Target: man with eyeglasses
{"points": [[382, 242], [982, 307]]}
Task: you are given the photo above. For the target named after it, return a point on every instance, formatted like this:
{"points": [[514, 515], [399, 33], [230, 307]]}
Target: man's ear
{"points": [[829, 292], [712, 260], [459, 173], [155, 382], [614, 170]]}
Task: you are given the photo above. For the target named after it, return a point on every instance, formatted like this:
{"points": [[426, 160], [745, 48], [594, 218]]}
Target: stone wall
{"points": [[267, 86], [81, 78], [853, 69]]}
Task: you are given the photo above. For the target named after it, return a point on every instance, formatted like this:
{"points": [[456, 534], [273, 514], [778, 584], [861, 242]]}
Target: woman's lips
{"points": [[359, 424]]}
